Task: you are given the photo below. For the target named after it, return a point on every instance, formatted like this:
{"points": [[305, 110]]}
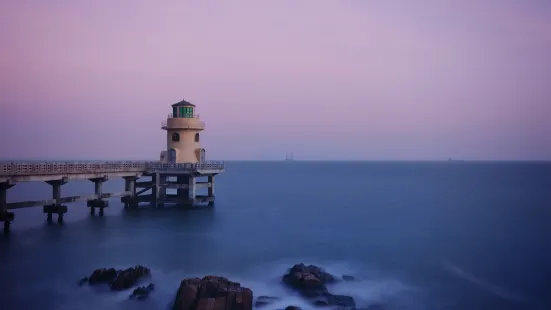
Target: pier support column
{"points": [[186, 195], [5, 215], [156, 190], [56, 207], [191, 189], [163, 179], [129, 186], [211, 190], [98, 202], [182, 193]]}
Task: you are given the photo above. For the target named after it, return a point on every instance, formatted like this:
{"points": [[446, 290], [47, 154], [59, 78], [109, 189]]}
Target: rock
{"points": [[83, 281], [142, 292], [262, 301], [320, 303], [117, 279], [340, 301], [212, 293], [102, 275], [375, 307], [308, 280], [293, 308], [348, 278], [127, 278]]}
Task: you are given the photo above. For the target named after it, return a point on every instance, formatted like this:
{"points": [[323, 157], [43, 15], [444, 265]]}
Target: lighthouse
{"points": [[183, 135], [183, 164]]}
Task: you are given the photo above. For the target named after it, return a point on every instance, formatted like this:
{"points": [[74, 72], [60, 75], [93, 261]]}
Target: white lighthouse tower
{"points": [[183, 135]]}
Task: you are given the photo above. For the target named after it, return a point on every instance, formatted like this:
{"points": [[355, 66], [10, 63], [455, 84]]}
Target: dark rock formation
{"points": [[375, 307], [212, 293], [127, 278], [142, 292], [310, 281], [83, 281], [117, 279], [265, 300], [348, 278], [293, 308], [329, 299], [102, 275]]}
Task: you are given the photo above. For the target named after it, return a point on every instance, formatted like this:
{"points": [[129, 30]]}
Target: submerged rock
{"points": [[117, 279], [102, 275], [83, 281], [262, 301], [293, 308], [212, 292], [142, 292], [329, 299], [310, 281], [375, 307], [348, 278], [129, 277]]}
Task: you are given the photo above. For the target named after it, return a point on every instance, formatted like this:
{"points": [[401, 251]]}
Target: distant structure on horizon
{"points": [[289, 156]]}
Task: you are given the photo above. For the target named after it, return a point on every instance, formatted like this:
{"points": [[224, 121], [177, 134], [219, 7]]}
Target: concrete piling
{"points": [[5, 216], [98, 202], [129, 187], [211, 190], [56, 207]]}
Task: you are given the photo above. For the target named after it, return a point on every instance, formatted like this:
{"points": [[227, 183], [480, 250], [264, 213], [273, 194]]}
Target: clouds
{"points": [[425, 80]]}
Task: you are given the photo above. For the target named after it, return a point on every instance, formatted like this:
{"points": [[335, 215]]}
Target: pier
{"points": [[182, 167], [185, 178]]}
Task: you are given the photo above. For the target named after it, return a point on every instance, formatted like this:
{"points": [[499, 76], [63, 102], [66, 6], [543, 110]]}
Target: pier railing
{"points": [[50, 168]]}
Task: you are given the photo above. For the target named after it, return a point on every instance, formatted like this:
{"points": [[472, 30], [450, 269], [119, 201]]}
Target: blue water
{"points": [[443, 235]]}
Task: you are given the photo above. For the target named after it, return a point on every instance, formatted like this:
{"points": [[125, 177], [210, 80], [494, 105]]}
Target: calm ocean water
{"points": [[455, 235]]}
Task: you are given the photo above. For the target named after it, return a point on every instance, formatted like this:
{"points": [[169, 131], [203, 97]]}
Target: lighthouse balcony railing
{"points": [[195, 125], [193, 116]]}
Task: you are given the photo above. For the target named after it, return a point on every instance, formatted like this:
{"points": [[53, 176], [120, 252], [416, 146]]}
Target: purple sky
{"points": [[431, 79]]}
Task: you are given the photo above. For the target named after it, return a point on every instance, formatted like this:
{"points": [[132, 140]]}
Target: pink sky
{"points": [[394, 80]]}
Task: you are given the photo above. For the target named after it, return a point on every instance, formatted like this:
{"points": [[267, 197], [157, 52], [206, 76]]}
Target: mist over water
{"points": [[414, 235]]}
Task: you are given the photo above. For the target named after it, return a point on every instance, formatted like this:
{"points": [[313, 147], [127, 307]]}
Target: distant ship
{"points": [[289, 156]]}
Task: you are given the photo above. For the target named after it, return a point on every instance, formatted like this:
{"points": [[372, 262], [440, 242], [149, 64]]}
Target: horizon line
{"points": [[294, 160]]}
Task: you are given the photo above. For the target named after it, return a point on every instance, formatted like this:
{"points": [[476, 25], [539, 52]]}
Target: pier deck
{"points": [[181, 177]]}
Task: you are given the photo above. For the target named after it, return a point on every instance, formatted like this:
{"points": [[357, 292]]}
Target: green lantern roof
{"points": [[183, 103]]}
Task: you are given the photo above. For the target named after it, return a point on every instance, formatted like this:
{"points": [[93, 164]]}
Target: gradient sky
{"points": [[414, 80]]}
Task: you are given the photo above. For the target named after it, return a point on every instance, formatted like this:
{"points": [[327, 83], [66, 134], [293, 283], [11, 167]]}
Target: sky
{"points": [[328, 80]]}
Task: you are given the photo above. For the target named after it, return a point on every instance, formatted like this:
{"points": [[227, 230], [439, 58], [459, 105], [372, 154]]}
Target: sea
{"points": [[415, 235]]}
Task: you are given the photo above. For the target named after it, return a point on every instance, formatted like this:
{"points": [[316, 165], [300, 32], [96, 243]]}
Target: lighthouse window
{"points": [[196, 137], [188, 112], [181, 114], [174, 112], [175, 137]]}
